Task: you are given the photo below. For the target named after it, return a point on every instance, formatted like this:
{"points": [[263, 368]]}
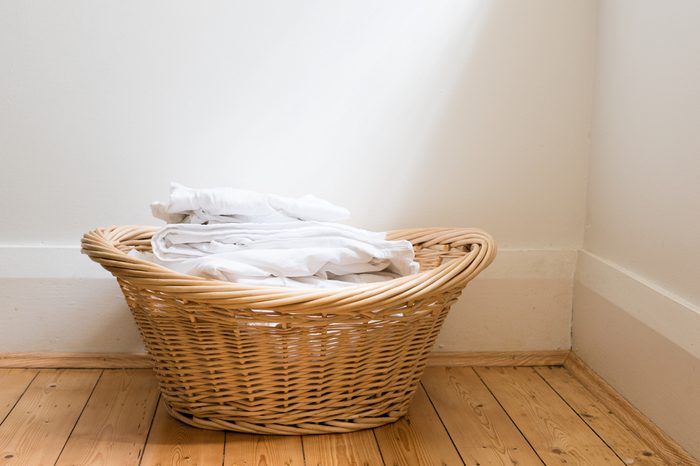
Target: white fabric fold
{"points": [[294, 254], [230, 205]]}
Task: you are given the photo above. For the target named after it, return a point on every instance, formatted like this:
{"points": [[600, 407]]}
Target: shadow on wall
{"points": [[377, 124], [449, 112], [323, 97], [502, 143], [437, 165], [389, 158], [373, 135]]}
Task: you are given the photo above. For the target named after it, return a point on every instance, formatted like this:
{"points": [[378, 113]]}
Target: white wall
{"points": [[644, 187], [637, 300], [453, 112]]}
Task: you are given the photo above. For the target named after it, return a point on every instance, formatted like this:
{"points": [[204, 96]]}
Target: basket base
{"points": [[338, 427]]}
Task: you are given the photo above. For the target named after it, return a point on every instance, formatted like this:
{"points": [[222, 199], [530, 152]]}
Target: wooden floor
{"points": [[479, 416]]}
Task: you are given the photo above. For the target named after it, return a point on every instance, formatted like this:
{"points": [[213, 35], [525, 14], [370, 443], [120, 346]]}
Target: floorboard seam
{"points": [[20, 397], [223, 454], [79, 416], [303, 452], [509, 417], [150, 427], [449, 435], [379, 449], [580, 417]]}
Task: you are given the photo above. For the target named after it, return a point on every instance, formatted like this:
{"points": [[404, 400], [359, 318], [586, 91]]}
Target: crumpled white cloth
{"points": [[292, 254], [230, 205]]}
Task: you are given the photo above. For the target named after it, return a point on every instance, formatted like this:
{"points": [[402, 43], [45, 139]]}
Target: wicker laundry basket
{"points": [[281, 361]]}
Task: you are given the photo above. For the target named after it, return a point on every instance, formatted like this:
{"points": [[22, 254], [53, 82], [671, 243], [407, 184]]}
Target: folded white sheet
{"points": [[228, 205], [294, 254]]}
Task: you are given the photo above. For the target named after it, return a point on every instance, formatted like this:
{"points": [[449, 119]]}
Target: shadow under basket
{"points": [[285, 361]]}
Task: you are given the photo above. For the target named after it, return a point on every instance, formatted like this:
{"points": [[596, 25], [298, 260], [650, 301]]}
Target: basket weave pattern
{"points": [[283, 361]]}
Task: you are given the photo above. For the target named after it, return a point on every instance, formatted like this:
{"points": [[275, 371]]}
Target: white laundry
{"points": [[230, 205], [293, 254]]}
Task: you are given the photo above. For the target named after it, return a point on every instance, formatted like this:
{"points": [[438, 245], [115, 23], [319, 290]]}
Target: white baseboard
{"points": [[644, 342], [54, 299], [672, 316]]}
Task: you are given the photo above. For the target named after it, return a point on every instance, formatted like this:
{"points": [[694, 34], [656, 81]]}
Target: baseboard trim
{"points": [[142, 360], [498, 358], [667, 448], [530, 286], [75, 360], [671, 316]]}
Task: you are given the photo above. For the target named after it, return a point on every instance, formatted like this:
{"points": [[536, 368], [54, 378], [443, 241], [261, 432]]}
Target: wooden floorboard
{"points": [[263, 450], [628, 446], [170, 442], [13, 383], [664, 446], [556, 432], [459, 416], [39, 425], [419, 438], [115, 422], [353, 449], [481, 430]]}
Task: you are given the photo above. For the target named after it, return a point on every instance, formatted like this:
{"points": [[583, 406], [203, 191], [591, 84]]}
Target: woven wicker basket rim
{"points": [[101, 246]]}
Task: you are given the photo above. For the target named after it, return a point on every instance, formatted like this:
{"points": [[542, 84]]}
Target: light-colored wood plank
{"points": [[556, 433], [171, 442], [609, 427], [419, 438], [663, 445], [498, 358], [352, 449], [143, 361], [59, 396], [76, 360], [479, 427], [263, 450], [115, 421], [37, 428], [13, 382]]}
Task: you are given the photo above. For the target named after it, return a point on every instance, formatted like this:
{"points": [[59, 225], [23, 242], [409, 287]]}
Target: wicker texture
{"points": [[281, 361]]}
